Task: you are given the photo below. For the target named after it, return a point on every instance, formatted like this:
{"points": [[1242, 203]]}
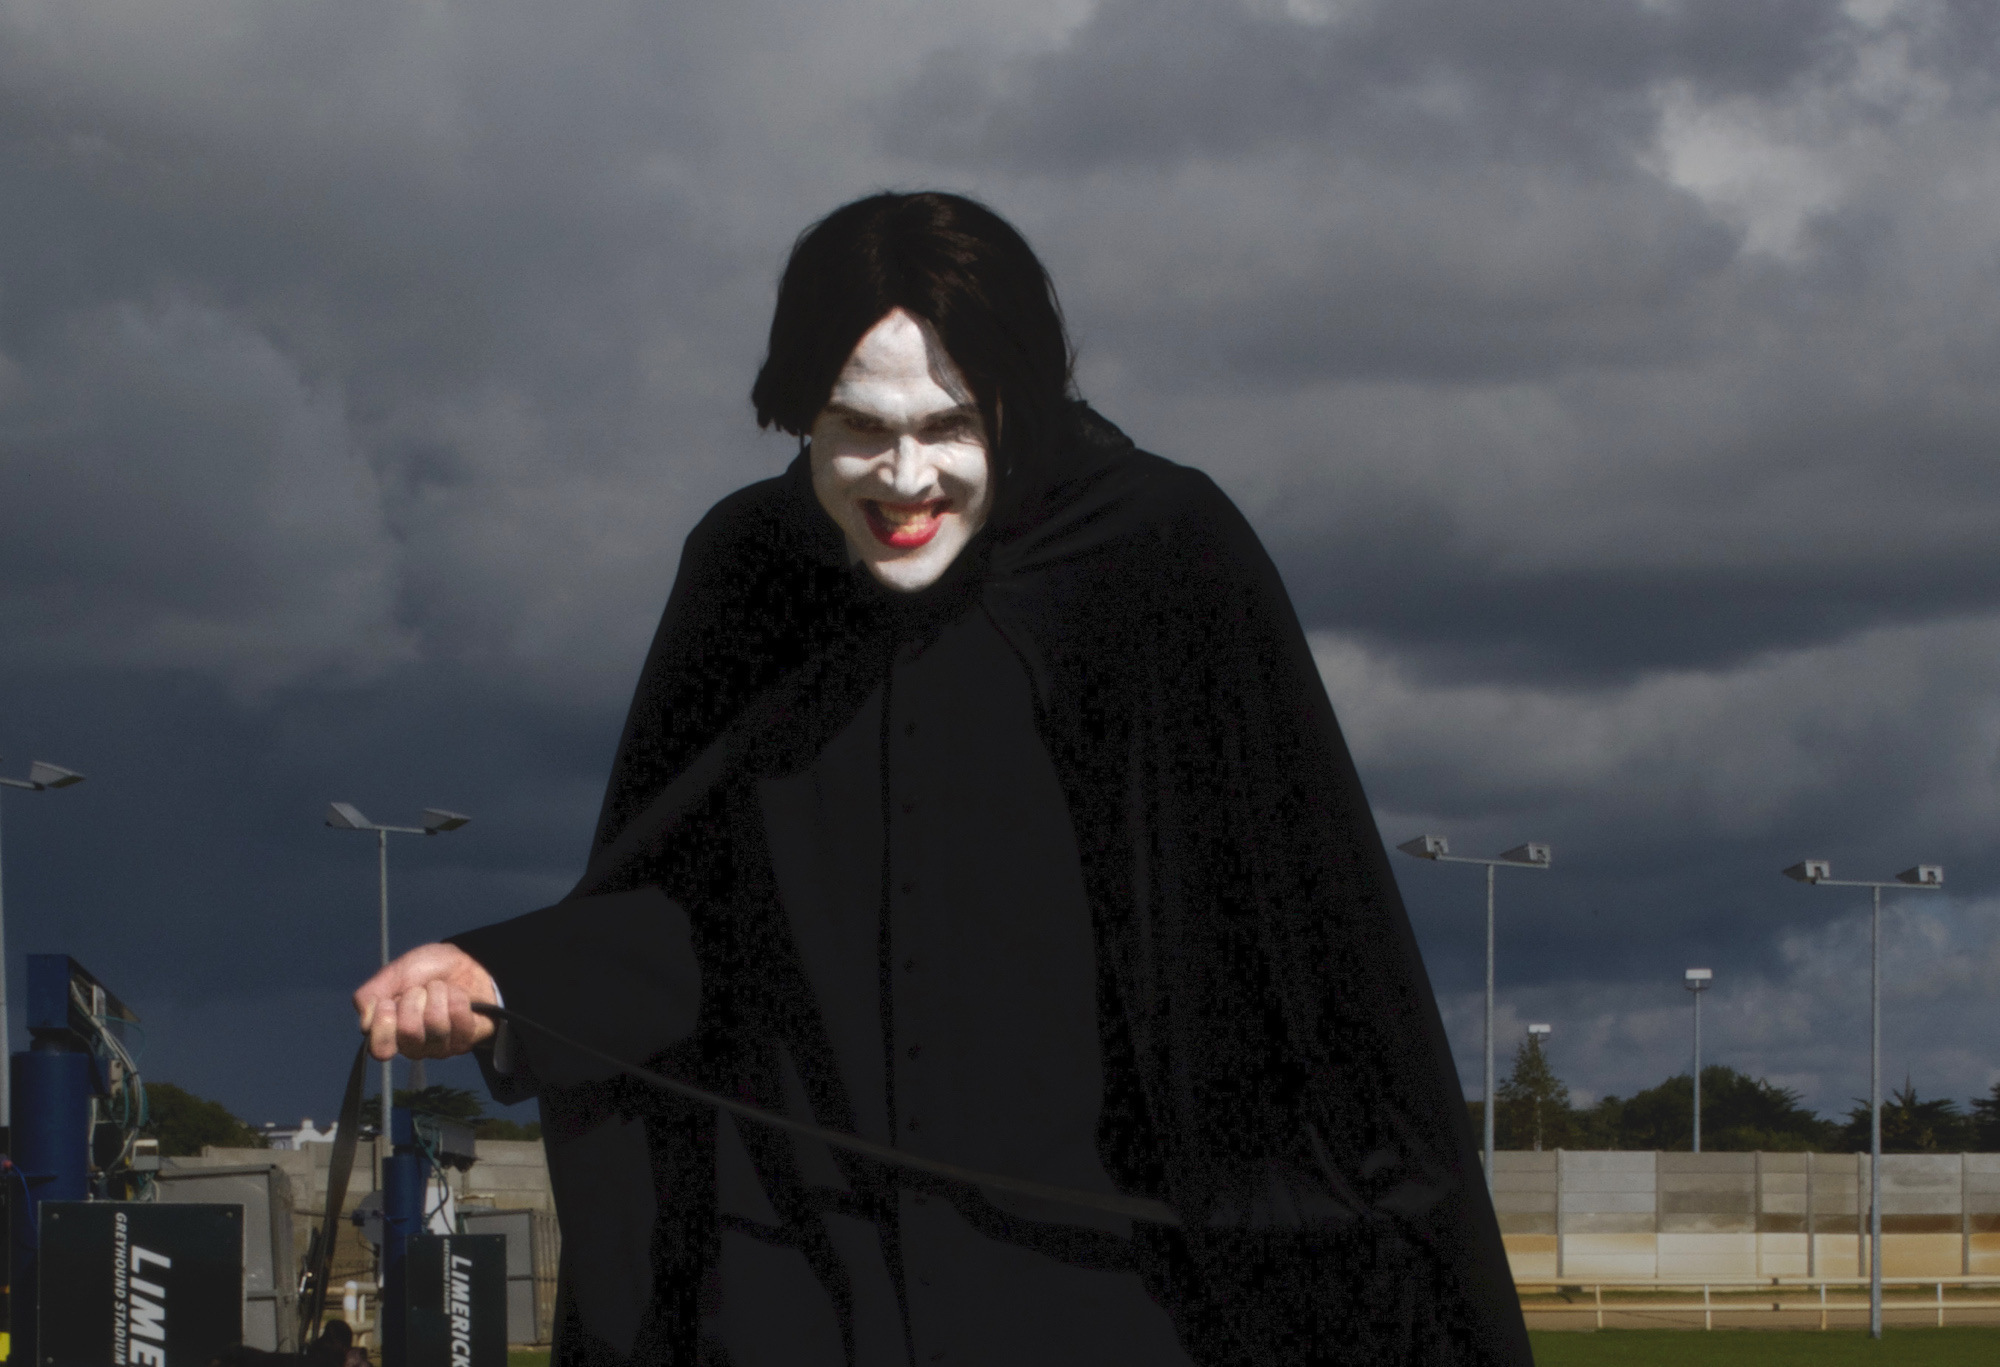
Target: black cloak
{"points": [[1276, 1071]]}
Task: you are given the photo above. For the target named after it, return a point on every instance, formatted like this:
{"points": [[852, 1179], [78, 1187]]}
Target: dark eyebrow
{"points": [[963, 412], [841, 410]]}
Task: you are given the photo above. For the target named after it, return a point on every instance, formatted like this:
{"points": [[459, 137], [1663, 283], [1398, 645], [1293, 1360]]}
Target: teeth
{"points": [[905, 517]]}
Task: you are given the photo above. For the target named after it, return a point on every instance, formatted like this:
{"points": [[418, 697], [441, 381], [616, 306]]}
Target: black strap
{"points": [[1132, 1207], [346, 1138]]}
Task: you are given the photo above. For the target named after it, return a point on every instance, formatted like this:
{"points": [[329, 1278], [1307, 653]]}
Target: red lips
{"points": [[905, 525]]}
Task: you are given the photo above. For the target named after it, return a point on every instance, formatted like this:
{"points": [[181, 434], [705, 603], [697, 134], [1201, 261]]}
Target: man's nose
{"points": [[911, 475]]}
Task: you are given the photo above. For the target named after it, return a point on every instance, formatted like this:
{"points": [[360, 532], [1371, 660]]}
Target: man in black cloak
{"points": [[981, 803]]}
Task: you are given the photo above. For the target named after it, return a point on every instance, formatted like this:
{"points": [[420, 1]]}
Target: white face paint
{"points": [[899, 455]]}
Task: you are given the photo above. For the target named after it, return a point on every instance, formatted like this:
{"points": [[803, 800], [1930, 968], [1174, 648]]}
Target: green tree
{"points": [[1532, 1107], [184, 1123], [1739, 1113], [1910, 1125], [1985, 1120], [455, 1103]]}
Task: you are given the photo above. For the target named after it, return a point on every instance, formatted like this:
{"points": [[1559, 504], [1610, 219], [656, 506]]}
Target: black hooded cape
{"points": [[1276, 1071]]}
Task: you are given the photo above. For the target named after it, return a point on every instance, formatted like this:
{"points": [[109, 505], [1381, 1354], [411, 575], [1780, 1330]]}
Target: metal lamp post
{"points": [[345, 816], [1819, 873], [1696, 981], [1529, 856], [41, 777], [1538, 1033]]}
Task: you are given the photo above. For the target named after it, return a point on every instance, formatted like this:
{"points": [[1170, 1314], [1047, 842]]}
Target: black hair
{"points": [[963, 269]]}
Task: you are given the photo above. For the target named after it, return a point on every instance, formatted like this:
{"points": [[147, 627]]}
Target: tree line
{"points": [[1739, 1114], [185, 1123]]}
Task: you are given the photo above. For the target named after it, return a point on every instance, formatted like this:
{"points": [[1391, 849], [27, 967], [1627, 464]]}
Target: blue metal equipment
{"points": [[405, 1179], [75, 1059]]}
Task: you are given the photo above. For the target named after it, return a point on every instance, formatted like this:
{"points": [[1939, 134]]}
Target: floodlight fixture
{"points": [[45, 775], [437, 820], [1533, 855], [42, 777], [345, 816], [1539, 1030], [1819, 872], [1698, 979]]}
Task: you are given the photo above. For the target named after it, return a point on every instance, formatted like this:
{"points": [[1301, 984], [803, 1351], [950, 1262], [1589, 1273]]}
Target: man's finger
{"points": [[464, 1023], [437, 1019], [410, 1021], [382, 1032]]}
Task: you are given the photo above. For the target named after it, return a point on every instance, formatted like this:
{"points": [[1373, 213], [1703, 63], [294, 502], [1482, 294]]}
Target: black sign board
{"points": [[129, 1282], [456, 1306]]}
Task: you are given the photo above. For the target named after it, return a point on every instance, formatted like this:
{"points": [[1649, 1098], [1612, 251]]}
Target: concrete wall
{"points": [[1589, 1215], [508, 1175], [511, 1175]]}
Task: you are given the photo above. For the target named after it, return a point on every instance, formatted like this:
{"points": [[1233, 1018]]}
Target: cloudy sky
{"points": [[1612, 379]]}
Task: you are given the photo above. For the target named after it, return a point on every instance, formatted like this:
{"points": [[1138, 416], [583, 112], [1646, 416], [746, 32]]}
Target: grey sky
{"points": [[1613, 381]]}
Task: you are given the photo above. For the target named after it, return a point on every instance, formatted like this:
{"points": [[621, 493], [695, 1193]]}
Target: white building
{"points": [[297, 1137]]}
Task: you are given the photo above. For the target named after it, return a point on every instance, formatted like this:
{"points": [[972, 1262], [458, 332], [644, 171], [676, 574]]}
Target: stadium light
{"points": [[1529, 856], [345, 816], [1696, 981], [1819, 873], [1538, 1033]]}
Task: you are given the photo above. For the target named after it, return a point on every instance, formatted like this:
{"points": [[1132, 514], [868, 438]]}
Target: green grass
{"points": [[1721, 1348], [1766, 1348]]}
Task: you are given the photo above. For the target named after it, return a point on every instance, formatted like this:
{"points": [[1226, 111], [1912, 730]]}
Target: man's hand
{"points": [[421, 1004]]}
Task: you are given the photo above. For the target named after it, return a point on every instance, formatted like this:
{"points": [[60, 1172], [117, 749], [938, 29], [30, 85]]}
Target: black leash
{"points": [[346, 1138], [1132, 1207]]}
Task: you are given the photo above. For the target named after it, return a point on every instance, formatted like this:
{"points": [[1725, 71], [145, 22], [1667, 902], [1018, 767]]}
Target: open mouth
{"points": [[905, 525]]}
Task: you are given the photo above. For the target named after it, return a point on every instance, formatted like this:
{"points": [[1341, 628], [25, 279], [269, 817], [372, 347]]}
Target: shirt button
{"points": [[909, 807], [909, 965], [915, 1125], [909, 887], [909, 728], [916, 1050]]}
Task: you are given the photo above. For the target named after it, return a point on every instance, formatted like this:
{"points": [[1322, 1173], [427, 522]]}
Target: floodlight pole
{"points": [[41, 777], [345, 817], [1818, 873], [1529, 856], [1697, 981], [1535, 1033], [382, 884]]}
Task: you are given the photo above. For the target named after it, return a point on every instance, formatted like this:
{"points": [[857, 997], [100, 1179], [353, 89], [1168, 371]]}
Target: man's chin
{"points": [[913, 571]]}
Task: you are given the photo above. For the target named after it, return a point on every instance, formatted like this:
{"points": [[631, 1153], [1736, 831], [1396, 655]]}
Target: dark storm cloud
{"points": [[1665, 411], [1436, 80], [1610, 380]]}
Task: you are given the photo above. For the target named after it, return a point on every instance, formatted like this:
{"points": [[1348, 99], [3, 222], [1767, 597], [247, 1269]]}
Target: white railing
{"points": [[1740, 1288]]}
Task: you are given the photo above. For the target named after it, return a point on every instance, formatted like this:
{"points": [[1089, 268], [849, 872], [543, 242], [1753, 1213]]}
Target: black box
{"points": [[131, 1282], [456, 1306]]}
